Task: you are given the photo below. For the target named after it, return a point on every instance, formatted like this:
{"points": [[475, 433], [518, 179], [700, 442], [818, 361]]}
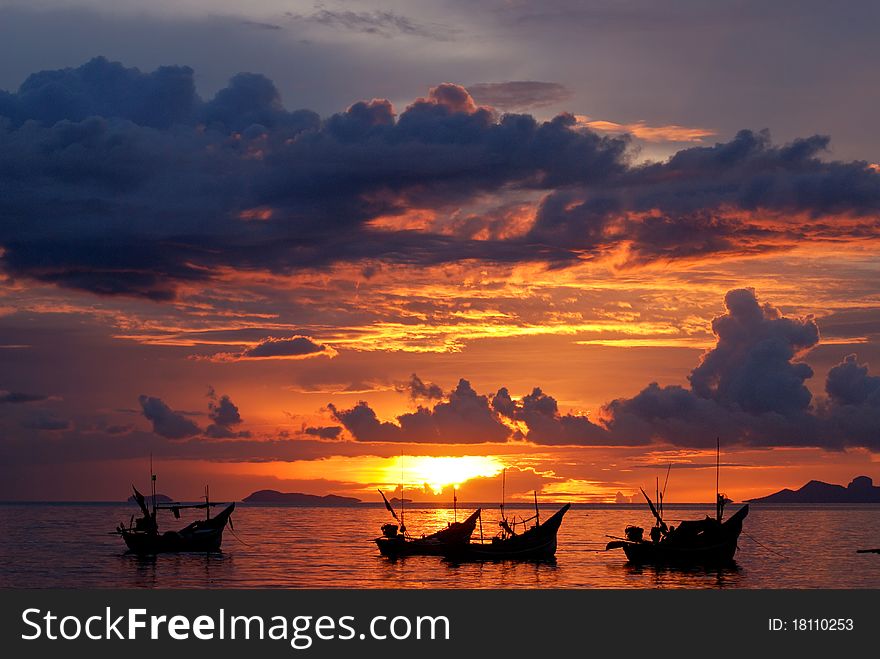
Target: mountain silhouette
{"points": [[860, 490], [299, 499]]}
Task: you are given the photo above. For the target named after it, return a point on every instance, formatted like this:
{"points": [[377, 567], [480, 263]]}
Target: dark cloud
{"points": [[225, 417], [419, 390], [20, 397], [707, 200], [750, 389], [854, 403], [464, 418], [751, 364], [545, 424], [361, 421], [45, 420], [164, 188], [382, 23], [294, 347], [118, 429], [519, 94], [166, 422], [848, 383], [324, 432]]}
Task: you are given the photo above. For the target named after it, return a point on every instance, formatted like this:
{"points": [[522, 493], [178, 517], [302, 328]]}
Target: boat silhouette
{"points": [[709, 541], [395, 542], [142, 535], [535, 543]]}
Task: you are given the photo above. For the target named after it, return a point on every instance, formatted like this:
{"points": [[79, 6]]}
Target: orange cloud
{"points": [[640, 129]]}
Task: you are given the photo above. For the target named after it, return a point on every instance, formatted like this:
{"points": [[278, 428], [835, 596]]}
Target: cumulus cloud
{"points": [[166, 188], [225, 417], [172, 424], [749, 389], [166, 422], [744, 196], [465, 417], [545, 424], [848, 383], [294, 347], [751, 364], [854, 402], [417, 389], [323, 432], [519, 94]]}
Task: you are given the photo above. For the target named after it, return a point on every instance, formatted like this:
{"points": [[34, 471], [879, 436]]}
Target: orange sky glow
{"points": [[435, 294]]}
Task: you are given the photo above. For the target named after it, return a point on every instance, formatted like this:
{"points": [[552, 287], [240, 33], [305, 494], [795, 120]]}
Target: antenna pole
{"points": [[153, 485], [663, 491], [402, 525], [503, 478], [718, 504], [657, 496]]}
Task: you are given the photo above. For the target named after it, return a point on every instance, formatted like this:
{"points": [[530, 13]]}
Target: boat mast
{"points": [[657, 497], [402, 525], [454, 505], [153, 485], [719, 506], [503, 478], [663, 491], [537, 514], [207, 503]]}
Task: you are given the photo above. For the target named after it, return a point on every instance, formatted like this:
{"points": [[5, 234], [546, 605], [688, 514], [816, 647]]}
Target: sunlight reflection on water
{"points": [[46, 545]]}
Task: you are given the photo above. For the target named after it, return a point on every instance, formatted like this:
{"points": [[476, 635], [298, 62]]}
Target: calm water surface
{"points": [[67, 546]]}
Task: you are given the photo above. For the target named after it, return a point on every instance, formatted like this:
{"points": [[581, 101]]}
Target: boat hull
{"points": [[712, 545], [436, 544], [201, 536], [394, 547], [538, 543]]}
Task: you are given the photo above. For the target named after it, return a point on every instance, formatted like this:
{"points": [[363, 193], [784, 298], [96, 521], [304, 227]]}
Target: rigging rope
{"points": [[763, 546], [235, 535]]}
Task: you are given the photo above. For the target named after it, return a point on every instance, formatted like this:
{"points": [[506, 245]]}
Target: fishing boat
{"points": [[395, 541], [709, 541], [142, 535], [535, 542]]}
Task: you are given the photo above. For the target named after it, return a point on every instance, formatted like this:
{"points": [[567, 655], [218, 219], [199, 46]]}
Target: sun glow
{"points": [[438, 473]]}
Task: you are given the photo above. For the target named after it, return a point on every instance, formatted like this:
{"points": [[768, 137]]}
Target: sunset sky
{"points": [[312, 246]]}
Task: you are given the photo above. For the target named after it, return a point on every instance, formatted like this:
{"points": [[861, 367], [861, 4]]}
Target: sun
{"points": [[441, 472]]}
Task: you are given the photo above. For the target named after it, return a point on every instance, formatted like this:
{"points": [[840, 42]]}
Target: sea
{"points": [[71, 545]]}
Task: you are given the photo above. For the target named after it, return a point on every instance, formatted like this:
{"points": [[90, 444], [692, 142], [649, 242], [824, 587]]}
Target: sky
{"points": [[330, 247]]}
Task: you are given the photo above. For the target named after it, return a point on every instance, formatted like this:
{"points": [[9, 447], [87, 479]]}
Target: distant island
{"points": [[860, 490], [299, 499], [160, 498], [394, 500]]}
